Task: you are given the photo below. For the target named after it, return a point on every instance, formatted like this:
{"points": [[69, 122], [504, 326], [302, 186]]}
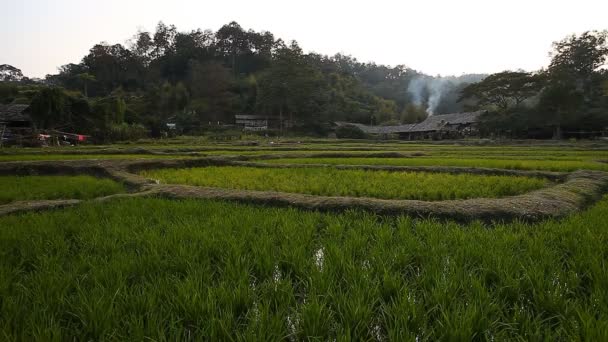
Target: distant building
{"points": [[446, 126], [15, 124], [259, 122], [15, 115]]}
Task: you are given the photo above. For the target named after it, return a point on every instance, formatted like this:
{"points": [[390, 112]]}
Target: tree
{"points": [[9, 73], [85, 78], [559, 104], [291, 85], [68, 76], [232, 41], [209, 84], [50, 108], [112, 66], [576, 58], [385, 111], [573, 95], [163, 39], [413, 114], [503, 90], [109, 110], [142, 47]]}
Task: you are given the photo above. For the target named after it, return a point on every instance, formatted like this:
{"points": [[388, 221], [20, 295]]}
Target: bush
{"points": [[350, 132], [124, 131]]}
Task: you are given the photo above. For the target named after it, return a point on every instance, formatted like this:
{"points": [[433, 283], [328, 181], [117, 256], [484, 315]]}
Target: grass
{"points": [[137, 269], [361, 183], [518, 164], [155, 269], [15, 188]]}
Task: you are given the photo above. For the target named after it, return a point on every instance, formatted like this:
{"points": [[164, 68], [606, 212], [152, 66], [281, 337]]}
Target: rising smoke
{"points": [[427, 91]]}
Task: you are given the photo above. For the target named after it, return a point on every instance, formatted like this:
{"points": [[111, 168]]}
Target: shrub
{"points": [[350, 132], [124, 131]]}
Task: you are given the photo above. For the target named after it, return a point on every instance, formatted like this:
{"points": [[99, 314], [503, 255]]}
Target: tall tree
{"points": [[86, 78], [573, 93], [291, 86], [577, 58], [9, 73], [504, 90], [163, 39], [112, 66], [209, 84], [50, 108]]}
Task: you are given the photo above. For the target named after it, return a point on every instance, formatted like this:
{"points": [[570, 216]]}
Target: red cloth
{"points": [[81, 138]]}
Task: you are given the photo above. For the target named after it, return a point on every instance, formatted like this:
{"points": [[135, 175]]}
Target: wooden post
{"points": [[281, 121], [2, 135]]}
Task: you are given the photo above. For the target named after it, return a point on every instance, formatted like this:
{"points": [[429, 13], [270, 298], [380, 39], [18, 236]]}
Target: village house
{"points": [[15, 124], [446, 126], [259, 122]]}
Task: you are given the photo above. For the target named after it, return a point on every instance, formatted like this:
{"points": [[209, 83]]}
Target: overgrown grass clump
{"points": [[16, 188], [139, 269], [517, 164], [360, 183]]}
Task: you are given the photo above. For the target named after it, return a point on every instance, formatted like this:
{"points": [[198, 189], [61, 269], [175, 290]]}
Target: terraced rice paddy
{"points": [[517, 164], [18, 188], [159, 269], [56, 156], [358, 183], [164, 269]]}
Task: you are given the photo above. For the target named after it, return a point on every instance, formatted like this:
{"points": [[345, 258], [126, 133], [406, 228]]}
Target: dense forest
{"points": [[201, 79]]}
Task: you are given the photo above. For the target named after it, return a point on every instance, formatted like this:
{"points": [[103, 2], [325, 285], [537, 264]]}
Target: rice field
{"points": [[19, 188], [152, 269], [58, 156], [160, 269], [517, 164], [327, 181]]}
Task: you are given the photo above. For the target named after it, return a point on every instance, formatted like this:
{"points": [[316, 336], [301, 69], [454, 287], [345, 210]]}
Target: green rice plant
{"points": [[57, 156], [139, 269], [582, 152], [361, 183], [16, 188], [518, 164]]}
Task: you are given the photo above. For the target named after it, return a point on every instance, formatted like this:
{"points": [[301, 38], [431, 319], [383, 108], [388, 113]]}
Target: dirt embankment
{"points": [[572, 192]]}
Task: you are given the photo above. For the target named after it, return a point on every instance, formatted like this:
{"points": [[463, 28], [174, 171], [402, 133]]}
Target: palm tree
{"points": [[85, 78]]}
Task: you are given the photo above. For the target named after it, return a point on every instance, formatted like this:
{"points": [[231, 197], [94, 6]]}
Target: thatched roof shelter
{"points": [[432, 123], [14, 113]]}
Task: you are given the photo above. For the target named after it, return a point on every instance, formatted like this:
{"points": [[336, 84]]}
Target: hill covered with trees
{"points": [[201, 79]]}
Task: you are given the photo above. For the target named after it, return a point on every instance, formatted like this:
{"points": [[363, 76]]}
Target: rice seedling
{"points": [[136, 269], [518, 164], [59, 156], [360, 183], [15, 188]]}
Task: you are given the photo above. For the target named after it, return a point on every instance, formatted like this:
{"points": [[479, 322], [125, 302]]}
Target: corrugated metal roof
{"points": [[14, 112]]}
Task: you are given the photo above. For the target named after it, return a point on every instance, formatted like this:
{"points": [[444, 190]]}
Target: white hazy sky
{"points": [[433, 36]]}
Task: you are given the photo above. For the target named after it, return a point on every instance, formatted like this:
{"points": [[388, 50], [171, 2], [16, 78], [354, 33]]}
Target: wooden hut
{"points": [[445, 126], [15, 124]]}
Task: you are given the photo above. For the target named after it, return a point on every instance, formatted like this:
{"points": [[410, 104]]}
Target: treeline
{"points": [[202, 78], [568, 99]]}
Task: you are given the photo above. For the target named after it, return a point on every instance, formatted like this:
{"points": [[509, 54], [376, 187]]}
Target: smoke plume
{"points": [[427, 91]]}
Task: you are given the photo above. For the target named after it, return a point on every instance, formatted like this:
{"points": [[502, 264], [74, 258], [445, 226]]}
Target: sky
{"points": [[438, 37]]}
